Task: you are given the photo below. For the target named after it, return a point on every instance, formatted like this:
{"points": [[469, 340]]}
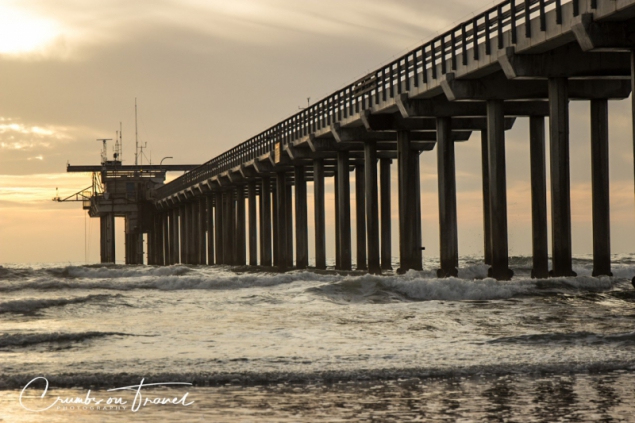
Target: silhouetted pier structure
{"points": [[517, 59]]}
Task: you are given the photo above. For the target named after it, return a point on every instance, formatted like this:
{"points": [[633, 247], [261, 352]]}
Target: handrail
{"points": [[386, 82]]}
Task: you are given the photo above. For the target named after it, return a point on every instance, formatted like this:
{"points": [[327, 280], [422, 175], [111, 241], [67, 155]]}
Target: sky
{"points": [[210, 74]]}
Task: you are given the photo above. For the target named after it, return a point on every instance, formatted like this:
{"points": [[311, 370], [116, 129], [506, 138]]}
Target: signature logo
{"points": [[111, 403]]}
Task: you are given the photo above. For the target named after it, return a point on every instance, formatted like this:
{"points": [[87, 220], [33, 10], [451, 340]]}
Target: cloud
{"points": [[15, 135], [71, 29]]}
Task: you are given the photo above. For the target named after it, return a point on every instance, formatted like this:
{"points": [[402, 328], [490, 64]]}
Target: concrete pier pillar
{"points": [[409, 205], [372, 207], [498, 191], [282, 221], [167, 259], [253, 229], [228, 227], [265, 221], [202, 223], [239, 213], [107, 238], [241, 233], [560, 178], [175, 237], [274, 225], [600, 188], [448, 230], [633, 110], [386, 214], [194, 232], [344, 209], [338, 255], [320, 219], [220, 228], [210, 230], [182, 233], [301, 219], [289, 216], [360, 216], [487, 232], [539, 229]]}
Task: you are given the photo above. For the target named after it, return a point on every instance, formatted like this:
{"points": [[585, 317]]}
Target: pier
{"points": [[529, 59]]}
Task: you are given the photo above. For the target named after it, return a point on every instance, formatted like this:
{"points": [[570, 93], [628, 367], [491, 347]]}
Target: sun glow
{"points": [[22, 33]]}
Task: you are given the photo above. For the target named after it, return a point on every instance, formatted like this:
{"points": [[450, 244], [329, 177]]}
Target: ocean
{"points": [[110, 343]]}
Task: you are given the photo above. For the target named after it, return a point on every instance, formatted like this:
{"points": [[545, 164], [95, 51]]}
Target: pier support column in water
{"points": [[210, 229], [265, 221], [539, 229], [194, 231], [409, 205], [274, 224], [253, 230], [241, 233], [183, 234], [487, 232], [498, 190], [560, 178], [228, 227], [107, 238], [283, 261], [372, 206], [338, 256], [202, 223], [633, 110], [219, 228], [600, 188], [448, 230], [344, 209], [175, 238], [320, 220], [301, 224], [360, 216], [165, 219], [386, 214], [289, 216]]}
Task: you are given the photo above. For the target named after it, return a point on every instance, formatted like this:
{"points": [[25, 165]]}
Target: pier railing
{"points": [[441, 54]]}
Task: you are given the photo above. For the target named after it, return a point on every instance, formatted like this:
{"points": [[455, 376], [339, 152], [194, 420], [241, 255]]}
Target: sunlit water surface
{"points": [[307, 346]]}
